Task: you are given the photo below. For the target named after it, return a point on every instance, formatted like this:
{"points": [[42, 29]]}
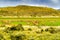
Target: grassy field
{"points": [[20, 33], [32, 21]]}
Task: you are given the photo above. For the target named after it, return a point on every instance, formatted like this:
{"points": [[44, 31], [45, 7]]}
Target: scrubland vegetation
{"points": [[18, 32], [29, 23]]}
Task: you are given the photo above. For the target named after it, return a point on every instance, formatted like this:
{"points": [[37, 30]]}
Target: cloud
{"points": [[55, 1], [48, 3], [30, 1]]}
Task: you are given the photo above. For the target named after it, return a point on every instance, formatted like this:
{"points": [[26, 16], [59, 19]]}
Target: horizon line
{"points": [[29, 5]]}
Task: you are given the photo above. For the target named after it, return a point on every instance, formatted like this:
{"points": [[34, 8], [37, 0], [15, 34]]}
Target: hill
{"points": [[22, 10]]}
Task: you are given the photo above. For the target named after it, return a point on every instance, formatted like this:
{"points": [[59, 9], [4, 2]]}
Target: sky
{"points": [[48, 3]]}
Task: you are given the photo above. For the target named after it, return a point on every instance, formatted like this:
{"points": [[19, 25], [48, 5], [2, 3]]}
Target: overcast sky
{"points": [[50, 3]]}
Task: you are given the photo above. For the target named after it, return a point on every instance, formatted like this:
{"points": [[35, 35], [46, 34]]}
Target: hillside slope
{"points": [[23, 10]]}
